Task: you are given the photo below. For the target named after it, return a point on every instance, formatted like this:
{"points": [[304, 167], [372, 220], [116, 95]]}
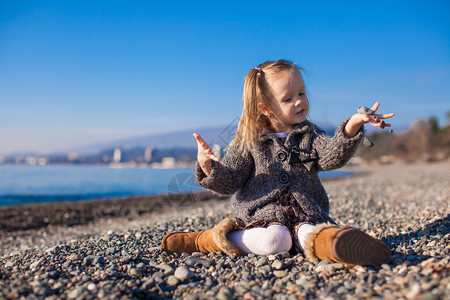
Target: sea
{"points": [[25, 184]]}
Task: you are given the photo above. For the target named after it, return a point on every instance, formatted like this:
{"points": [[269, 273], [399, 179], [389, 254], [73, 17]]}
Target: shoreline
{"points": [[36, 215], [46, 192], [70, 213]]}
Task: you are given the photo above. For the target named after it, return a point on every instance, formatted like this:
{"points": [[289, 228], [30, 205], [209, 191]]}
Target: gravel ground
{"points": [[118, 256]]}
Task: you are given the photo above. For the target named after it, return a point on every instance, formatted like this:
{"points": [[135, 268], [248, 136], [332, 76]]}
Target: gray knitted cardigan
{"points": [[259, 177]]}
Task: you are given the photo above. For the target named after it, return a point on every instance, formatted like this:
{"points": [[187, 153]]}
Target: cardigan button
{"points": [[284, 178], [281, 156]]}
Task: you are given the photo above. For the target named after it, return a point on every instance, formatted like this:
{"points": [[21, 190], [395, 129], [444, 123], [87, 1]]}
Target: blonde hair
{"points": [[257, 90]]}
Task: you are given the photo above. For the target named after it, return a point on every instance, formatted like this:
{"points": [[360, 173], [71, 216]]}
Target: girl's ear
{"points": [[264, 109]]}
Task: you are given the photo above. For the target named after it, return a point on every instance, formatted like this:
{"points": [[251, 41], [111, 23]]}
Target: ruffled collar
{"points": [[298, 152], [300, 128]]}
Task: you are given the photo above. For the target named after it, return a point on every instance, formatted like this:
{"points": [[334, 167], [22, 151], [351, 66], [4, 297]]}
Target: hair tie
{"points": [[258, 69]]}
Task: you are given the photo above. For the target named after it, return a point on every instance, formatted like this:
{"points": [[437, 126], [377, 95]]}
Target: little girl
{"points": [[271, 168]]}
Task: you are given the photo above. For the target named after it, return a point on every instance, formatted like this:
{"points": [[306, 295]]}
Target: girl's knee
{"points": [[277, 239], [262, 241]]}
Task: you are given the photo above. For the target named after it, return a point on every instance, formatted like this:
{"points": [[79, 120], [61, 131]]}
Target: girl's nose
{"points": [[298, 102]]}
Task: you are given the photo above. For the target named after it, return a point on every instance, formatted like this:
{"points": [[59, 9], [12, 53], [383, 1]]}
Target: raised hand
{"points": [[357, 120], [204, 155]]}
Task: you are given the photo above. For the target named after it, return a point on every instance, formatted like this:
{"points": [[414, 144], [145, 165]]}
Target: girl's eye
{"points": [[301, 94], [286, 100]]}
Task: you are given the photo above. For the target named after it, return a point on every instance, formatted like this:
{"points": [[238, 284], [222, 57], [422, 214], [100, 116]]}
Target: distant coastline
{"points": [[21, 184]]}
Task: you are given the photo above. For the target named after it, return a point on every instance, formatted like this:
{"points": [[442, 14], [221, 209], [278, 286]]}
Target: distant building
{"points": [[166, 163], [31, 160], [72, 156], [42, 161], [148, 154], [2, 159], [117, 155], [216, 150]]}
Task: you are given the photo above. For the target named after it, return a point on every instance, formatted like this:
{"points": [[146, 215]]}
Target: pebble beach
{"points": [[109, 249]]}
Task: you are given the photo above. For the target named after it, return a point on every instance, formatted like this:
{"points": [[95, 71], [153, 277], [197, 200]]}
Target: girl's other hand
{"points": [[357, 120], [204, 155]]}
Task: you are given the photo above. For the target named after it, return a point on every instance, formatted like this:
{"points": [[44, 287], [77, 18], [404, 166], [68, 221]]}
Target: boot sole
{"points": [[352, 246]]}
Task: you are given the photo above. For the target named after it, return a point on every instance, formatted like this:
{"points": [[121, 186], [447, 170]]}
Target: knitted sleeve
{"points": [[334, 152], [227, 176]]}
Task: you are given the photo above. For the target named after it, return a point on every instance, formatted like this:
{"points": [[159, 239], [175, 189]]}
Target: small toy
{"points": [[365, 110], [367, 142], [368, 111]]}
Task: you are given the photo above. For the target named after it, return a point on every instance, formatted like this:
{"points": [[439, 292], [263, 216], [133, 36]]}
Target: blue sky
{"points": [[80, 72]]}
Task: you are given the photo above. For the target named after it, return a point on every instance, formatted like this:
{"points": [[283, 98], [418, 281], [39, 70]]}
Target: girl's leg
{"points": [[211, 240], [262, 241], [346, 245], [302, 232]]}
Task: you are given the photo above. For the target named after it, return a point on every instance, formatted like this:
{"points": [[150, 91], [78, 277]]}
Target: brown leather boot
{"points": [[211, 240], [346, 245]]}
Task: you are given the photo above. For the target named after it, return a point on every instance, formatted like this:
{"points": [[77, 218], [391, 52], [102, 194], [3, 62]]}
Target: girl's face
{"points": [[290, 105]]}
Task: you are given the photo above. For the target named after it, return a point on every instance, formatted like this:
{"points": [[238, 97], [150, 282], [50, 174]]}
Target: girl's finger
{"points": [[385, 116], [374, 123], [198, 137], [200, 141], [365, 118], [375, 106], [379, 124], [213, 157]]}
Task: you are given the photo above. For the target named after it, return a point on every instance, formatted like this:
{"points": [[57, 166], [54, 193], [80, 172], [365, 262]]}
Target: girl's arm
{"points": [[224, 177], [334, 152]]}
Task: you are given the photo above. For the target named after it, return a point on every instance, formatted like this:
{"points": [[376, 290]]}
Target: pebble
{"points": [[172, 280], [183, 273], [266, 269], [91, 287], [337, 266], [9, 264], [136, 272], [53, 250], [324, 268], [305, 283], [76, 293], [37, 264], [278, 264], [262, 261], [168, 270], [323, 263], [240, 262], [224, 294], [280, 273], [193, 261]]}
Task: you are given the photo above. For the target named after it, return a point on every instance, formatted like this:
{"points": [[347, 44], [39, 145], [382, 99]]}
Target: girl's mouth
{"points": [[300, 111]]}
